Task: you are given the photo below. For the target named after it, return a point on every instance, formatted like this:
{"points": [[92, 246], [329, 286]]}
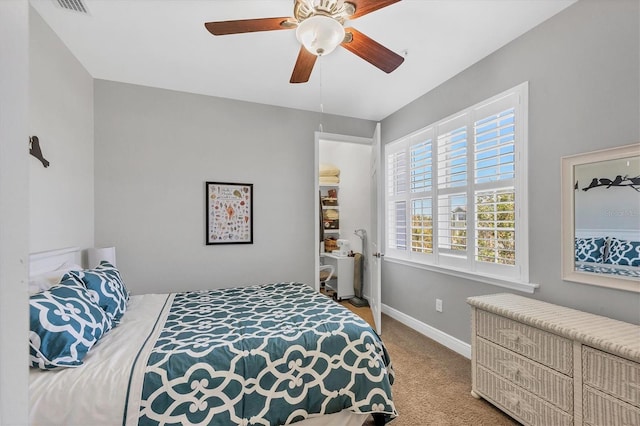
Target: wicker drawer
{"points": [[546, 383], [519, 403], [600, 409], [611, 374], [546, 348]]}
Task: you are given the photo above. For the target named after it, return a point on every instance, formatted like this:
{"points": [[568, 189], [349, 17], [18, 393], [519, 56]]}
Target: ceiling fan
{"points": [[320, 29]]}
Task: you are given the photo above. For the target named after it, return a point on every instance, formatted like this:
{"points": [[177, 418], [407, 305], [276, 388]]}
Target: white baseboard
{"points": [[444, 339]]}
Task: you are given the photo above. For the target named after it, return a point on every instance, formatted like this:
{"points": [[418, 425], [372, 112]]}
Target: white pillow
{"points": [[42, 282]]}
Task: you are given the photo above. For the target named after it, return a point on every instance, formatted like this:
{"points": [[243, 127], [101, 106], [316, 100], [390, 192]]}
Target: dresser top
{"points": [[613, 336]]}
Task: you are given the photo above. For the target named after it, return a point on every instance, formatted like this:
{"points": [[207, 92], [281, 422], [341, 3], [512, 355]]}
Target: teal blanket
{"points": [[263, 355]]}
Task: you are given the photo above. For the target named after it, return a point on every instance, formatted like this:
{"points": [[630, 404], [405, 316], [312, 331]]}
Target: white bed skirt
{"points": [[343, 418]]}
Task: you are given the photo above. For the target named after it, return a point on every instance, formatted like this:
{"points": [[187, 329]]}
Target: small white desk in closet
{"points": [[343, 265]]}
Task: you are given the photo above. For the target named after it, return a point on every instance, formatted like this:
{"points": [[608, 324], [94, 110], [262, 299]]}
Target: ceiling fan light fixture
{"points": [[320, 34]]}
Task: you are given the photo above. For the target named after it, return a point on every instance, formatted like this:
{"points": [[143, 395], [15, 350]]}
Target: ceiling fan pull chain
{"points": [[321, 103], [320, 75]]}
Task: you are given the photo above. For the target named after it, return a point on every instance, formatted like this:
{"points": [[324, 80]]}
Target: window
{"points": [[456, 191]]}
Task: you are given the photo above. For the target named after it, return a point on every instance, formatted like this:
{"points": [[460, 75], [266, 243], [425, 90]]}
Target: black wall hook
{"points": [[34, 149]]}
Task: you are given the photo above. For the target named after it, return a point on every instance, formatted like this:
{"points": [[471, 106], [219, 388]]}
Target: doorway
{"points": [[350, 219]]}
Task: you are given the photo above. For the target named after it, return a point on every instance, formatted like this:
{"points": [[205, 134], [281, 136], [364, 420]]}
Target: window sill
{"points": [[486, 279]]}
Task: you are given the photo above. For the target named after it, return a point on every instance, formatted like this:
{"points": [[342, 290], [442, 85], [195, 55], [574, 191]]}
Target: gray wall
{"points": [[44, 91], [61, 115], [14, 210], [583, 71], [154, 151]]}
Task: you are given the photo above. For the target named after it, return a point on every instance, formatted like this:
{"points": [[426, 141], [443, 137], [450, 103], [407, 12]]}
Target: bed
{"points": [[270, 354]]}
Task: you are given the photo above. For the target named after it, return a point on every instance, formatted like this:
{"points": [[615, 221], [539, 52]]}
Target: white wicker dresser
{"points": [[549, 365]]}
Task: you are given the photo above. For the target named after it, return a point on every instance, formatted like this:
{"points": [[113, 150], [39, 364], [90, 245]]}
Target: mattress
{"points": [[263, 355]]}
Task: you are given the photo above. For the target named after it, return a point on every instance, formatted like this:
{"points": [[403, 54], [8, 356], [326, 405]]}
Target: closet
{"points": [[344, 198]]}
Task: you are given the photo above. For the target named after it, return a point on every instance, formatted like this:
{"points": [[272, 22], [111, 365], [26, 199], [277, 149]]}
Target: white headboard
{"points": [[46, 261]]}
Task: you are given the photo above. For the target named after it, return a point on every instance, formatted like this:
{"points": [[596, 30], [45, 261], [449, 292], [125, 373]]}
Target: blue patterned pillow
{"points": [[623, 252], [64, 324], [105, 285], [590, 249]]}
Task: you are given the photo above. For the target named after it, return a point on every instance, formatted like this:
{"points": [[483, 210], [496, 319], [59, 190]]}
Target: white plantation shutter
{"points": [[397, 186], [397, 234], [422, 225], [494, 157], [452, 224], [397, 173], [421, 166], [495, 226], [494, 164], [452, 158], [421, 214], [456, 191]]}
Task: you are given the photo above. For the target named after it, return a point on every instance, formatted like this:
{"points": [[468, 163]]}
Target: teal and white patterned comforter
{"points": [[263, 355]]}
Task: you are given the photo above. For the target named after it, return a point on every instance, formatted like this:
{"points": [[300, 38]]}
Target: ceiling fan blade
{"points": [[304, 66], [367, 6], [250, 25], [371, 51]]}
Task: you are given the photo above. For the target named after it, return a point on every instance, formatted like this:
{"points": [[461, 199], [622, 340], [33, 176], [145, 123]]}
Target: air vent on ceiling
{"points": [[75, 5]]}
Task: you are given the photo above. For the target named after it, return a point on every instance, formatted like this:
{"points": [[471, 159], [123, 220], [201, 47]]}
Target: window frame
{"points": [[466, 265]]}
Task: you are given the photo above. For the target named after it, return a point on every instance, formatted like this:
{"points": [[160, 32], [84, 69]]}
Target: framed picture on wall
{"points": [[229, 213]]}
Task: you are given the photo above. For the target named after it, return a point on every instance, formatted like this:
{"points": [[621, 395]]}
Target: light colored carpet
{"points": [[433, 383]]}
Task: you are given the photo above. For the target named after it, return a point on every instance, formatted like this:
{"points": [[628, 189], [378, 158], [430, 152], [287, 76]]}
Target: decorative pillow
{"points": [[45, 281], [590, 249], [105, 285], [64, 324], [623, 252]]}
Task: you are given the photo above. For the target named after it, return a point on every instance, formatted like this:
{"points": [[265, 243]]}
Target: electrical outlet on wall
{"points": [[439, 305]]}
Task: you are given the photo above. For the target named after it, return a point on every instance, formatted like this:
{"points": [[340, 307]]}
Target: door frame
{"points": [[334, 137], [377, 226]]}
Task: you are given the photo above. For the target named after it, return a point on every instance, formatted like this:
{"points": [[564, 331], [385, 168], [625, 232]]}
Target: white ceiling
{"points": [[163, 43]]}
